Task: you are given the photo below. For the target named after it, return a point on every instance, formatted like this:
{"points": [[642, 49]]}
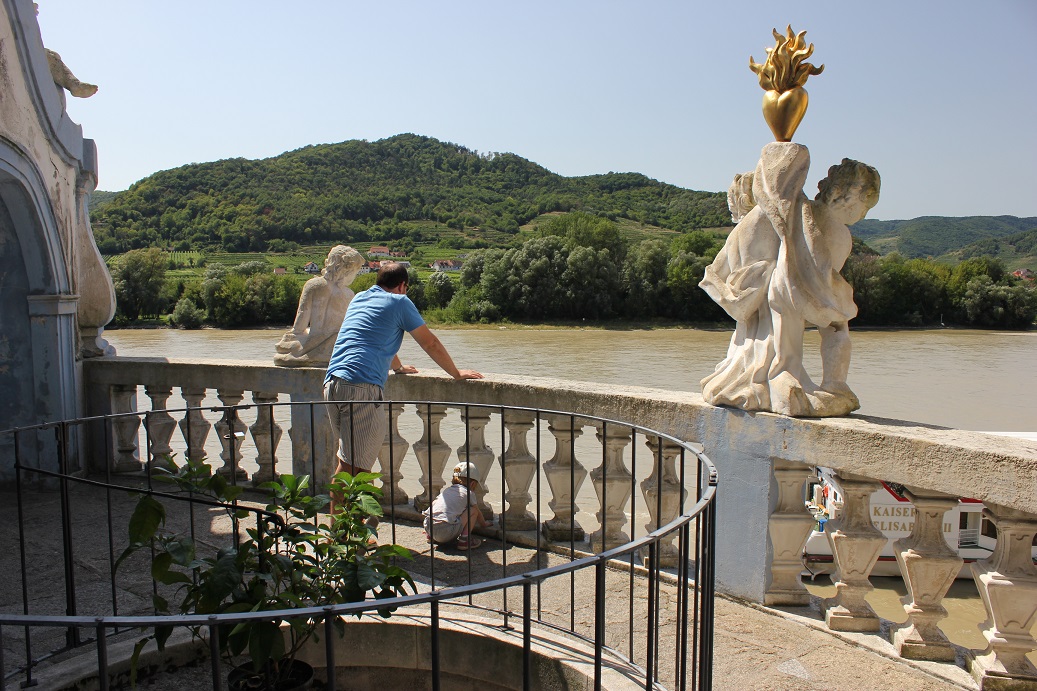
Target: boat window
{"points": [[988, 529]]}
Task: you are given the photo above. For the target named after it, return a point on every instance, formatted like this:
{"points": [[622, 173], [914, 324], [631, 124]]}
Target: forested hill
{"points": [[357, 190], [935, 236], [1018, 250]]}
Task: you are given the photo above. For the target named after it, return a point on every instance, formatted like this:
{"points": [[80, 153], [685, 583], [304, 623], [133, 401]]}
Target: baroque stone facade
{"points": [[56, 295]]}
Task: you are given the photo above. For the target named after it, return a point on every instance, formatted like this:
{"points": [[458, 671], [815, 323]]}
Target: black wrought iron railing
{"points": [[634, 588]]}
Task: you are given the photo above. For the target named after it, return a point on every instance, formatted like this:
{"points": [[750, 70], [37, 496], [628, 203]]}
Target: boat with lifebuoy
{"points": [[965, 528]]}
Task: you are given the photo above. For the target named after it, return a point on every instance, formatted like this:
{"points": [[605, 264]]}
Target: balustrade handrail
{"points": [[768, 463], [696, 579]]}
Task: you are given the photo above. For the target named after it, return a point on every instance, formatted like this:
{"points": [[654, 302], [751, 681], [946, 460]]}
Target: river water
{"points": [[974, 380]]}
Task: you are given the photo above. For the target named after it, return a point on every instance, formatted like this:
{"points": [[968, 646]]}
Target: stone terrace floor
{"points": [[755, 647]]}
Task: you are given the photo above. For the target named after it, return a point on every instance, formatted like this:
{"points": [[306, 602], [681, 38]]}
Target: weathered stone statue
{"points": [[779, 271], [322, 306], [63, 76]]}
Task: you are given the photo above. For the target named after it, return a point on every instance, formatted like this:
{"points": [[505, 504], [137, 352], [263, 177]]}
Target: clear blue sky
{"points": [[939, 95]]}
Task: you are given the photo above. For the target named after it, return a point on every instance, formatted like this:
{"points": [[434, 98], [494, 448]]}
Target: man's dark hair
{"points": [[391, 275]]}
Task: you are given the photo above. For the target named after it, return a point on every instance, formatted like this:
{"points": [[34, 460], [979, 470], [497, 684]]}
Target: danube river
{"points": [[975, 380]]}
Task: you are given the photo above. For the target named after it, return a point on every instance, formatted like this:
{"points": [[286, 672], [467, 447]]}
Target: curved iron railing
{"points": [[673, 651]]}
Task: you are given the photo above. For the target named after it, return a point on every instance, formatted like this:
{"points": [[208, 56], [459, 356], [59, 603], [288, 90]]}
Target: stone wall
{"points": [[744, 446], [55, 281]]}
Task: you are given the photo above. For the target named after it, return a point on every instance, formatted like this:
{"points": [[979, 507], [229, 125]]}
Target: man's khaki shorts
{"points": [[360, 427]]}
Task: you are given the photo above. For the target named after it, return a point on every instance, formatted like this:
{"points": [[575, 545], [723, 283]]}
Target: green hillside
{"points": [[935, 236], [1017, 251], [358, 191]]}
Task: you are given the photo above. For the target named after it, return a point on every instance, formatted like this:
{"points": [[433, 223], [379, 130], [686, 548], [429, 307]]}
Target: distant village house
{"points": [[382, 251], [311, 268], [1024, 274], [447, 265]]}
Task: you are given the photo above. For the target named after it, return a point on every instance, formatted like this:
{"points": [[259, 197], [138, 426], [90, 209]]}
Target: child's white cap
{"points": [[467, 471]]}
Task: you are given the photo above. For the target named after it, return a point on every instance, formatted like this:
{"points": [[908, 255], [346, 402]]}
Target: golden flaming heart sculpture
{"points": [[782, 76]]}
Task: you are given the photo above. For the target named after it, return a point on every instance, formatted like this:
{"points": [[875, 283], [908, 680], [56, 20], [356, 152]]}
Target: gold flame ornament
{"points": [[782, 77]]}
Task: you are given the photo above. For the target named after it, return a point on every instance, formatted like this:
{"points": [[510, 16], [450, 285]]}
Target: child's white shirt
{"points": [[451, 503]]}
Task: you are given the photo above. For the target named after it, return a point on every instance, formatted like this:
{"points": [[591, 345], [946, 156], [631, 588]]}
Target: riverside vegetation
{"points": [[198, 244]]}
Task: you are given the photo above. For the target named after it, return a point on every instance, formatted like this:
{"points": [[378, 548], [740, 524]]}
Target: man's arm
{"points": [[399, 368], [435, 349]]}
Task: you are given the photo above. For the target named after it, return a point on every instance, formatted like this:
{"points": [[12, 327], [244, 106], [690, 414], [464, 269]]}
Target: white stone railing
{"points": [[765, 463]]}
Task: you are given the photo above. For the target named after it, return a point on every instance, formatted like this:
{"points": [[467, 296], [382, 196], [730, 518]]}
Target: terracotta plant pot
{"points": [[784, 111]]}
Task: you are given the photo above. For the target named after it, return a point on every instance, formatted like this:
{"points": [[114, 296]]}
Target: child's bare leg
{"points": [[835, 357], [473, 519]]}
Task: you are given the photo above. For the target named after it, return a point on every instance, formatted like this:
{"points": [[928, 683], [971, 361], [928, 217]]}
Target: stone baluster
{"points": [[266, 434], [663, 494], [478, 452], [520, 467], [789, 529], [432, 453], [929, 567], [565, 476], [159, 423], [125, 428], [194, 426], [856, 545], [612, 485], [232, 432], [391, 464], [1007, 583]]}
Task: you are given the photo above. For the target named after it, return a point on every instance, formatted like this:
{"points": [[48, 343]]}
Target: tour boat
{"points": [[967, 532]]}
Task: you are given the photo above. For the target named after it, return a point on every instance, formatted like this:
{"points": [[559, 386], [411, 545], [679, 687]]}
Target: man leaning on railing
{"points": [[366, 348]]}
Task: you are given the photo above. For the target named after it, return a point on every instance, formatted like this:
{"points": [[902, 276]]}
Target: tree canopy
{"points": [[358, 190]]}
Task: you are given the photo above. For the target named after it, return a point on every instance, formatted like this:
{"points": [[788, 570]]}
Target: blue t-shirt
{"points": [[370, 335]]}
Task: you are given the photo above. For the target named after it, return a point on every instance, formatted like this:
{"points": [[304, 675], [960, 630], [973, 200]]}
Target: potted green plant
{"points": [[294, 556]]}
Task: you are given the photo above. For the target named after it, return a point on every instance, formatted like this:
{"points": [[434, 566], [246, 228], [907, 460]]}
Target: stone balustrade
{"points": [[766, 463]]}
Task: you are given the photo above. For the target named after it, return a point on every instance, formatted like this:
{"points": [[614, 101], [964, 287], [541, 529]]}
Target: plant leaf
{"points": [[147, 516], [370, 505], [182, 551], [367, 577], [135, 658], [265, 643], [162, 634]]}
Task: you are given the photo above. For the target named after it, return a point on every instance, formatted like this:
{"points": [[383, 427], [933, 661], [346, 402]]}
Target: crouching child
{"points": [[455, 513]]}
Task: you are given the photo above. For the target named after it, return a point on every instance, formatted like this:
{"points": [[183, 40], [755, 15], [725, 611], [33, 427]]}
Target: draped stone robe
{"points": [[778, 271]]}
